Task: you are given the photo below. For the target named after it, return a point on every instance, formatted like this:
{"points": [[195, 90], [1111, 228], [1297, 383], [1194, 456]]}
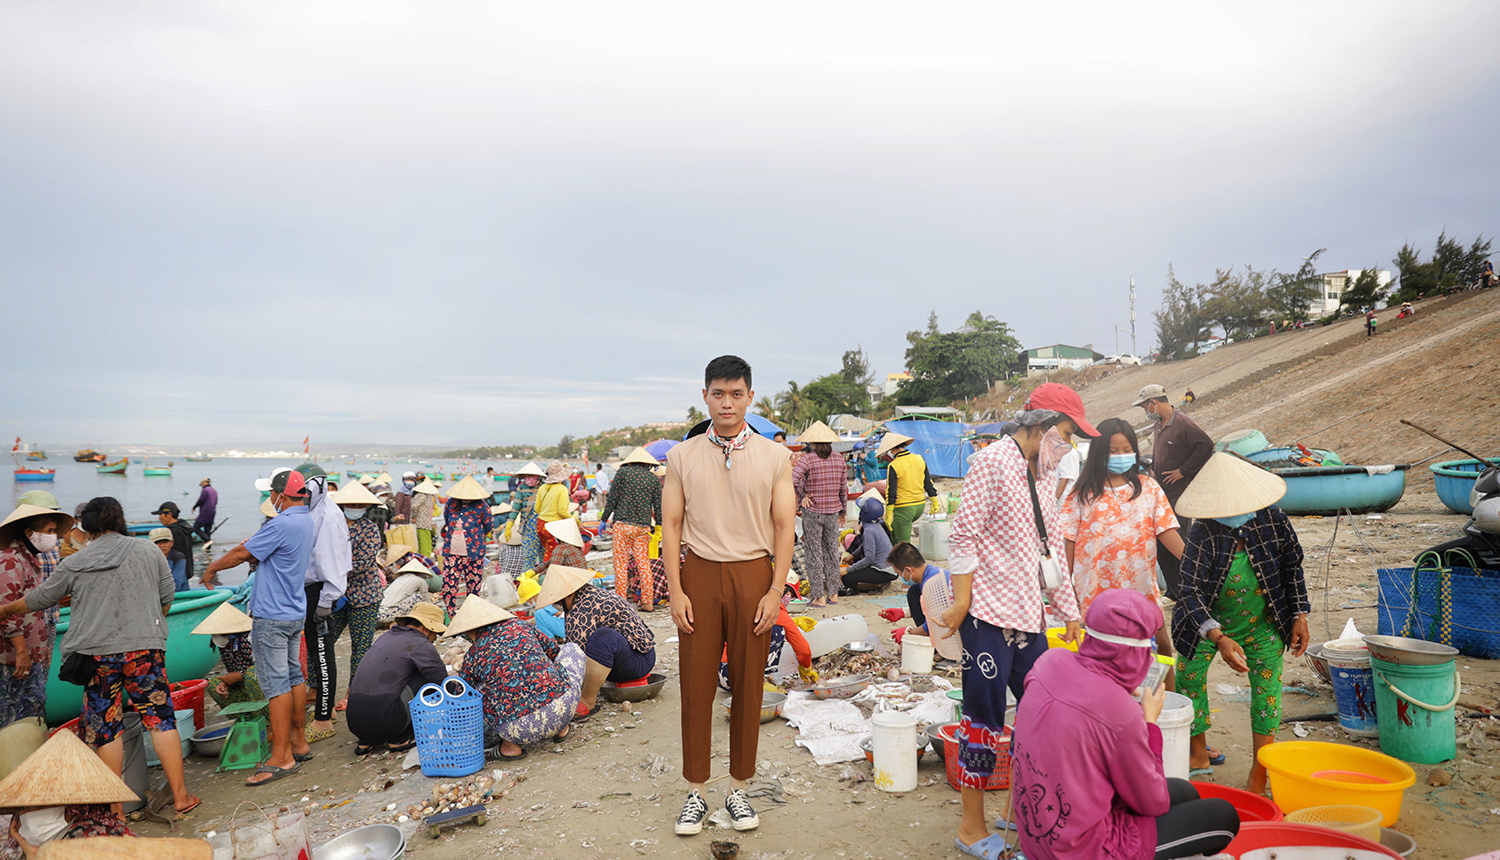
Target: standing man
{"points": [[728, 500], [1180, 450], [278, 603], [326, 580], [1370, 322], [602, 477], [182, 533], [996, 548], [206, 506]]}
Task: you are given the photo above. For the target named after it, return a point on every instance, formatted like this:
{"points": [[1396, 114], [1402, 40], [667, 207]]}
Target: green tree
{"points": [[1236, 302], [950, 366], [1179, 320], [856, 370], [1451, 266], [1366, 291], [1289, 296], [765, 408], [834, 394], [566, 446], [694, 415], [794, 406]]}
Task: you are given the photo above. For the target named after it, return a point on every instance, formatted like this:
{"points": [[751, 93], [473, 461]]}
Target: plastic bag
{"points": [[654, 549], [264, 837], [406, 535]]}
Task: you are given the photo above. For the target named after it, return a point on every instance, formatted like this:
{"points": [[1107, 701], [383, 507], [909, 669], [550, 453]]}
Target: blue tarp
{"points": [[760, 425], [940, 443]]}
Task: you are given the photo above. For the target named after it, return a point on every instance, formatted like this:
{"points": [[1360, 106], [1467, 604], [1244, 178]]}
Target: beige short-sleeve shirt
{"points": [[727, 512]]}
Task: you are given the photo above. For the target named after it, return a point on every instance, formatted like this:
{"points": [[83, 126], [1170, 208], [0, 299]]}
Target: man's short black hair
{"points": [[727, 368], [1161, 400], [903, 555]]}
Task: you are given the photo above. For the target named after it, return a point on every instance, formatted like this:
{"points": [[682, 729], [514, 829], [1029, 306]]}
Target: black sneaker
{"points": [[740, 811], [690, 821]]}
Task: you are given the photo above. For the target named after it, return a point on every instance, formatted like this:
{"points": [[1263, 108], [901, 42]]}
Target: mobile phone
{"points": [[1154, 676]]}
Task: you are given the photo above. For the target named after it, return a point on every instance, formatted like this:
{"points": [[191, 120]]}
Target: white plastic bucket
{"points": [[18, 741], [185, 730], [833, 633], [934, 539], [1353, 686], [916, 654], [1176, 724], [894, 736]]}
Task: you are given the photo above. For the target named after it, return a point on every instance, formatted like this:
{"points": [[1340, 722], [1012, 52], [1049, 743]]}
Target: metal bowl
{"points": [[1398, 842], [1318, 662], [770, 706], [371, 842], [649, 690], [842, 688], [1409, 652], [867, 743], [209, 740], [859, 647]]}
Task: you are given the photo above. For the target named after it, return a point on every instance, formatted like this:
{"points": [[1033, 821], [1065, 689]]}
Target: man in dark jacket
{"points": [[182, 532], [207, 507], [1179, 451]]}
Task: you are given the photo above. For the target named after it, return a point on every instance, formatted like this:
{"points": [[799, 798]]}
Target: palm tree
{"points": [[795, 407], [765, 408]]}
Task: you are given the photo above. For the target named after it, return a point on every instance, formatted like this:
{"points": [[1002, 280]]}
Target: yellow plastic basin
{"points": [[1292, 764]]}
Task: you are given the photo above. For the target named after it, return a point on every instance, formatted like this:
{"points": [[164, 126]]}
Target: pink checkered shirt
{"points": [[996, 525], [826, 481]]}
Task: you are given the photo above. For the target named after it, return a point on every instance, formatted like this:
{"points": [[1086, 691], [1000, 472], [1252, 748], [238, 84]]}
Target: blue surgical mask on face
{"points": [[353, 513], [1236, 522], [1119, 464]]}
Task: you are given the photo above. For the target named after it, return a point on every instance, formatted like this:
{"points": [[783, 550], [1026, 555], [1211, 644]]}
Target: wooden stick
{"points": [[1482, 460]]}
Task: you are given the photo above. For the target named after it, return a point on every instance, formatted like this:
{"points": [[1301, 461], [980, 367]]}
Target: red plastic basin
{"points": [[1284, 834], [1251, 807]]}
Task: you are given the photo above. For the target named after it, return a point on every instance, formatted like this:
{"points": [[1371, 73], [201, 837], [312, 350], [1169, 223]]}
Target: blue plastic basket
{"points": [[1455, 606], [448, 722]]}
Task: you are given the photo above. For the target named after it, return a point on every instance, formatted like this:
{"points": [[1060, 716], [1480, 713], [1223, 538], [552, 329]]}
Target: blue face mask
{"points": [[1235, 522], [1119, 464]]}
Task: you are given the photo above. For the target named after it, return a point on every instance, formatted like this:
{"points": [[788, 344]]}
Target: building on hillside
{"points": [[1058, 356], [892, 385], [1335, 284], [928, 413], [621, 452], [664, 426]]}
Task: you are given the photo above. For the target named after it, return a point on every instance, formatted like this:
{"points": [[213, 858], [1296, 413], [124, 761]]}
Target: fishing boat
{"points": [[35, 474], [36, 455], [200, 458], [115, 468], [189, 657], [143, 528], [157, 471], [1325, 492], [89, 456]]}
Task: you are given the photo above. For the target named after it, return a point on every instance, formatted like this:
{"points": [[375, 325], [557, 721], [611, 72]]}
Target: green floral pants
{"points": [[1241, 609]]}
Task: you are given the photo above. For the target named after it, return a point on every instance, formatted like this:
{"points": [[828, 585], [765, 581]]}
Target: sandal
{"points": [[301, 757], [991, 847], [366, 749], [582, 714], [275, 772], [197, 802], [404, 746], [494, 754], [313, 737], [1215, 757]]}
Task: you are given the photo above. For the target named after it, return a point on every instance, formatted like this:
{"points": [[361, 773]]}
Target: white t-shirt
{"points": [[1067, 470]]}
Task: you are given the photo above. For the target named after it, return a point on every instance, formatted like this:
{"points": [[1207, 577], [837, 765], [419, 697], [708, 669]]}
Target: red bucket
{"points": [[189, 694], [1251, 807], [998, 781], [1254, 835], [71, 725]]}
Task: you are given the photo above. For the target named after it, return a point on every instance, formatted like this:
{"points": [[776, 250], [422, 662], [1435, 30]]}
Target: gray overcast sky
{"points": [[453, 223]]}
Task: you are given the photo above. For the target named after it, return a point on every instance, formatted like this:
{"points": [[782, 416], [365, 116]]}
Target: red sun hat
{"points": [[1060, 398], [290, 483]]}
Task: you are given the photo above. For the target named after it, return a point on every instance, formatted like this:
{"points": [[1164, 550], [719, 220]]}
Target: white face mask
{"points": [[43, 825], [221, 640], [42, 542], [353, 513]]}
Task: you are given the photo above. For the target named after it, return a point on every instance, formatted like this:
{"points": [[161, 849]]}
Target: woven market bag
{"points": [[1438, 601]]}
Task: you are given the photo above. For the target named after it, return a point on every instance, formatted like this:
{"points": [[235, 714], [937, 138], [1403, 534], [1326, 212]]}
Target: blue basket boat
{"points": [[1324, 492], [1454, 479]]}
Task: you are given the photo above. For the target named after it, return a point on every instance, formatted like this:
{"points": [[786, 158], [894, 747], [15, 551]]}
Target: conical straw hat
{"points": [[818, 432], [126, 848], [354, 494], [1228, 486], [561, 581], [474, 614], [416, 567], [640, 455], [267, 509], [531, 469], [497, 510], [392, 553], [367, 479], [63, 771], [226, 619], [12, 526], [565, 530], [889, 442], [383, 478], [468, 488], [871, 493], [427, 487]]}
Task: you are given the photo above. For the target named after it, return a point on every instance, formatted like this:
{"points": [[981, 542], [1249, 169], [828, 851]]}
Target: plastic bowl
{"points": [[649, 690], [209, 740], [1359, 820], [1318, 663], [1251, 807], [842, 688], [770, 706], [1291, 765], [1256, 835], [1398, 842]]}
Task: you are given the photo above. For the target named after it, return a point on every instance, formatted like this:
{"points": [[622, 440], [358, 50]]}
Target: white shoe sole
{"points": [[688, 829], [747, 824]]}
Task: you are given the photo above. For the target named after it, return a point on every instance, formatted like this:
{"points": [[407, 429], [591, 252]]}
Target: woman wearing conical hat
{"points": [[25, 639], [634, 506], [1242, 596], [522, 530], [467, 522], [364, 587], [229, 630], [552, 504], [61, 791]]}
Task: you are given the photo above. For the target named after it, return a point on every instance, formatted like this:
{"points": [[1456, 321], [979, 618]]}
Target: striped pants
{"points": [[632, 542]]}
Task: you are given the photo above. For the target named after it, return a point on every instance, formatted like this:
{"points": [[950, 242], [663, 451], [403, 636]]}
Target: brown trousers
{"points": [[724, 596]]}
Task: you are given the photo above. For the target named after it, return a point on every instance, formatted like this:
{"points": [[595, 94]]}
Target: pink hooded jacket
{"points": [[1086, 771]]}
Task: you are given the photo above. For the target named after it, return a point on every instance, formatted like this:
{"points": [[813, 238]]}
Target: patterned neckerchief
{"points": [[732, 444]]}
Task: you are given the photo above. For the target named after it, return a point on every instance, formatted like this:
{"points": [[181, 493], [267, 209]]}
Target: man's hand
{"points": [[1172, 477], [1233, 654], [767, 611], [952, 619], [23, 663], [1300, 636], [682, 612]]}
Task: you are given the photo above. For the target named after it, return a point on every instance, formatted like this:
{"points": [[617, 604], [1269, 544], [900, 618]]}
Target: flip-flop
{"points": [[1215, 757], [991, 847], [582, 716], [275, 772], [197, 802], [366, 749], [1002, 824], [402, 747], [313, 737], [302, 757], [1202, 771]]}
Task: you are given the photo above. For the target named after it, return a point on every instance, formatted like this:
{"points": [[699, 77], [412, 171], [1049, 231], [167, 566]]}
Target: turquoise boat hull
{"points": [[189, 657], [1453, 480], [1269, 454], [35, 476], [1326, 492]]}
